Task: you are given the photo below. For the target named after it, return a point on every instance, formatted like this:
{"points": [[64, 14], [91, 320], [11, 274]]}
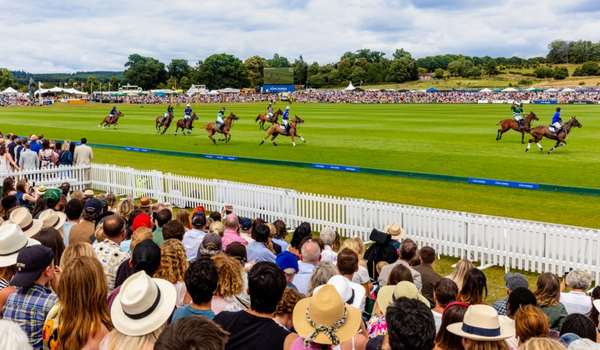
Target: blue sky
{"points": [[70, 35]]}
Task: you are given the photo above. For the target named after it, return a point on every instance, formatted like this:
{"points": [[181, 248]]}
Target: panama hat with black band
{"points": [[143, 304], [12, 241], [482, 323]]}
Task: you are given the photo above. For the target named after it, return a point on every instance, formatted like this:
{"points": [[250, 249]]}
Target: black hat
{"points": [[199, 219], [93, 205], [245, 223], [31, 262]]}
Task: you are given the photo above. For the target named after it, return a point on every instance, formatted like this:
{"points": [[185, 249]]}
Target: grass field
{"points": [[445, 139]]}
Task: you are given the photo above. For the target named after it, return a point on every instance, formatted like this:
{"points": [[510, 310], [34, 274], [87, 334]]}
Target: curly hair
{"points": [[173, 261], [288, 301], [231, 281]]}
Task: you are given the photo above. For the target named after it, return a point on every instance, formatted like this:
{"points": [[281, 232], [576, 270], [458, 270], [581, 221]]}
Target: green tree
{"points": [[559, 52], [588, 68], [439, 73], [146, 72], [401, 53], [178, 69], [6, 79], [279, 61], [185, 83], [172, 83], [114, 83], [255, 66], [91, 84], [223, 70], [490, 68], [403, 69], [300, 71], [460, 67], [560, 73]]}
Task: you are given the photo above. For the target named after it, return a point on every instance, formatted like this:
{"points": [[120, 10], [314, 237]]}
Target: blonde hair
{"points": [[173, 261], [82, 294], [530, 322], [542, 344], [217, 227], [139, 235], [460, 271], [119, 341], [272, 229], [125, 207], [354, 244], [74, 251], [231, 281]]}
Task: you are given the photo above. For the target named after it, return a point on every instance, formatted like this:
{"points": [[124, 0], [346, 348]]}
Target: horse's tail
{"points": [[257, 117]]}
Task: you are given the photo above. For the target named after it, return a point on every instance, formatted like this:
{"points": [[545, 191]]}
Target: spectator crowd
{"points": [[82, 270], [585, 95]]}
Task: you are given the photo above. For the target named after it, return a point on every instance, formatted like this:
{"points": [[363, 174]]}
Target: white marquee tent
{"points": [[9, 91], [510, 89], [58, 90], [486, 90], [350, 87]]}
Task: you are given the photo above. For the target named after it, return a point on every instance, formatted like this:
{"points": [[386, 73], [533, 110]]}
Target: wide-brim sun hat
{"points": [[481, 322], [352, 293], [52, 218], [143, 304], [22, 217], [12, 241], [325, 319], [406, 289]]}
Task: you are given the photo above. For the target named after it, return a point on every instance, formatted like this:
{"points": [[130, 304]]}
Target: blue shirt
{"points": [[35, 146], [29, 307], [257, 251], [188, 110], [282, 243], [556, 118], [188, 310], [285, 114]]}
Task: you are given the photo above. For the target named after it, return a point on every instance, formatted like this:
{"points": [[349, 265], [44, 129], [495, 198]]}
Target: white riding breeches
{"points": [[518, 117]]}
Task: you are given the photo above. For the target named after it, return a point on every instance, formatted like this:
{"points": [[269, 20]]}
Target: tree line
{"points": [[363, 66]]}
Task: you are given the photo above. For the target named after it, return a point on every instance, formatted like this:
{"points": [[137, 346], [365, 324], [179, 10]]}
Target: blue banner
{"points": [[502, 183], [276, 88], [545, 102]]}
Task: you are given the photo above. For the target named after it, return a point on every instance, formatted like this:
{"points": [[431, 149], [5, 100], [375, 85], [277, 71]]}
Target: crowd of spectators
{"points": [[587, 95], [82, 270], [36, 152]]}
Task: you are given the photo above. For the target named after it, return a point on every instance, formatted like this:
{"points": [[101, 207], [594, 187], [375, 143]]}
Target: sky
{"points": [[83, 35]]}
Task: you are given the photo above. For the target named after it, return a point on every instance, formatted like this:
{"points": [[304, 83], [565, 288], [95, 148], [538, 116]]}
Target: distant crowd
{"points": [[366, 96]]}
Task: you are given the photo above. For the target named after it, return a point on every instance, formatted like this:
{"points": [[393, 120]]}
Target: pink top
{"points": [[230, 236]]}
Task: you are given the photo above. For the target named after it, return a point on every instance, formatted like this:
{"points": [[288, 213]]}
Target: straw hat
{"points": [[12, 241], [41, 190], [325, 319], [145, 202], [143, 304], [52, 218], [88, 193], [387, 294], [22, 217], [481, 322], [396, 231]]}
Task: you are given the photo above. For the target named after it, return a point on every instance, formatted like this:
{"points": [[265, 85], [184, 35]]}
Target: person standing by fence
{"points": [[83, 154]]}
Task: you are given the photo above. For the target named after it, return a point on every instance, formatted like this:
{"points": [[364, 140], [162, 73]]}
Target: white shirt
{"points": [[328, 255], [361, 276], [302, 278], [576, 302], [191, 242], [437, 318]]}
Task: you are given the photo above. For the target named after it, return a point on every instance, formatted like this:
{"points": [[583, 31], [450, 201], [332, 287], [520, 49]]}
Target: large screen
{"points": [[279, 75]]}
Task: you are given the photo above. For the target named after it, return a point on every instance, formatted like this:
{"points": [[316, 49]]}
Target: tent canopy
{"points": [[567, 90], [229, 91], [486, 90], [509, 89], [58, 90], [551, 90], [432, 89], [350, 87], [9, 91]]}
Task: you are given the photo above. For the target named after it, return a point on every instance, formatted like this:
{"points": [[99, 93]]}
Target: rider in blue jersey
{"points": [[285, 119], [113, 113], [187, 114], [557, 121]]}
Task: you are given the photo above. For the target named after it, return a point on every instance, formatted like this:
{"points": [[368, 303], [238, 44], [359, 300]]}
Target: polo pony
{"points": [[163, 124], [511, 124], [262, 118], [276, 130], [212, 128], [186, 125], [110, 120], [542, 131]]}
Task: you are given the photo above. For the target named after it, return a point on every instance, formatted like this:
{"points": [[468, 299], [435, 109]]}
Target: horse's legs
{"points": [[293, 140], [210, 136], [273, 139], [522, 137]]}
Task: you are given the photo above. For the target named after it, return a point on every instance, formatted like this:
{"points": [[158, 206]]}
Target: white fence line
{"points": [[54, 176], [491, 240]]}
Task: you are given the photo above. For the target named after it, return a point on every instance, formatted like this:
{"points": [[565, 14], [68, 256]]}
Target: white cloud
{"points": [[69, 35]]}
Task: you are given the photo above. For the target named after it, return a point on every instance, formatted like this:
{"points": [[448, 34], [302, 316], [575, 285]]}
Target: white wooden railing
{"points": [[491, 240]]}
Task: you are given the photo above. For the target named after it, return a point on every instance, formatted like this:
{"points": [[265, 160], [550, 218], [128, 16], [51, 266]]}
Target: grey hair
{"points": [[328, 235], [323, 272], [311, 252], [579, 279]]}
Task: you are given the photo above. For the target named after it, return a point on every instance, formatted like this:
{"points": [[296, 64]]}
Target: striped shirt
{"points": [[29, 307]]}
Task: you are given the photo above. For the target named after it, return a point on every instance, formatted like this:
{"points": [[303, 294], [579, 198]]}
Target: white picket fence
{"points": [[491, 240]]}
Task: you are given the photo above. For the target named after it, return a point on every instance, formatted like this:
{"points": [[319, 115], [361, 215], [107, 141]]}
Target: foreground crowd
{"points": [[86, 271]]}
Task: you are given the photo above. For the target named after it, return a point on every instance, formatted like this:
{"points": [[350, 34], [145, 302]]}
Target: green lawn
{"points": [[445, 139]]}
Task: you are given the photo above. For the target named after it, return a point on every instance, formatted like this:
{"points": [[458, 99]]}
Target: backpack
{"points": [[382, 249]]}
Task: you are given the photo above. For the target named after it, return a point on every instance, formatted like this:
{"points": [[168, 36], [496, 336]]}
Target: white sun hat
{"points": [[12, 241], [53, 218], [352, 293], [22, 217], [481, 322], [143, 304]]}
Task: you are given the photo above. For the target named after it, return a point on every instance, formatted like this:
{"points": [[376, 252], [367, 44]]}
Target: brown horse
{"points": [[541, 131], [212, 128], [108, 120], [262, 118], [276, 130], [164, 124], [508, 124], [186, 125]]}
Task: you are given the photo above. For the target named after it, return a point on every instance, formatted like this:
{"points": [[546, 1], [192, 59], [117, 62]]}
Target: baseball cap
{"points": [[141, 220], [199, 219], [93, 205], [31, 262], [287, 260], [53, 194], [514, 280], [245, 224]]}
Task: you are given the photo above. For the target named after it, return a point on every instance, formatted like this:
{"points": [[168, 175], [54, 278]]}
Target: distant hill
{"points": [[23, 77]]}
